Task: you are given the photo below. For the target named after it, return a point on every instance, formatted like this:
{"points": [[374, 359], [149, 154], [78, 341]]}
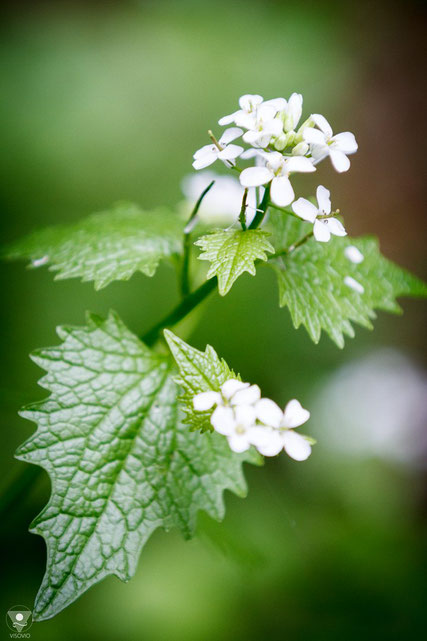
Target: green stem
{"points": [[242, 215], [181, 310], [262, 210], [285, 211], [185, 285], [289, 250]]}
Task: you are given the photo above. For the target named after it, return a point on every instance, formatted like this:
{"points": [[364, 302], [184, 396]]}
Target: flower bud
{"points": [[300, 149], [281, 142], [307, 123]]}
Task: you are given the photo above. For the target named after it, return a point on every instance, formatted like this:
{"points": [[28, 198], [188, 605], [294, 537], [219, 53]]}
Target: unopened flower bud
{"points": [[300, 149], [281, 142]]}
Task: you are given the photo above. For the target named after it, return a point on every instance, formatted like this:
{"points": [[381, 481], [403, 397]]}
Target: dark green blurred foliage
{"points": [[103, 102]]}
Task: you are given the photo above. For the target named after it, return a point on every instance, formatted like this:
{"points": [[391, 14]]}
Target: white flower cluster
{"points": [[281, 148], [246, 419]]}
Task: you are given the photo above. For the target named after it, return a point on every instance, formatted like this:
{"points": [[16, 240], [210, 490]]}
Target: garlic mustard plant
{"points": [[142, 432]]}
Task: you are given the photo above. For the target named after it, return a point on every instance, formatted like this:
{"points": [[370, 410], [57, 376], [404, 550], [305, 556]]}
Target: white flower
{"points": [[280, 427], [221, 205], [249, 104], [277, 172], [233, 392], [262, 126], [207, 154], [353, 254], [238, 424], [206, 400], [322, 227], [247, 419], [324, 143], [354, 284], [289, 111]]}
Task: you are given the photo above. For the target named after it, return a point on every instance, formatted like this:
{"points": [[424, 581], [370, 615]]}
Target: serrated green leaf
{"points": [[198, 372], [108, 246], [311, 283], [233, 252], [120, 461], [285, 228]]}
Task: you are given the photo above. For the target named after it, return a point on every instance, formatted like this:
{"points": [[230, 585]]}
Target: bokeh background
{"points": [[107, 101]]}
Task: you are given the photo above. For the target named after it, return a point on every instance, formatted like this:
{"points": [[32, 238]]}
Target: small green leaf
{"points": [[311, 282], [233, 252], [199, 372], [121, 462], [109, 246]]}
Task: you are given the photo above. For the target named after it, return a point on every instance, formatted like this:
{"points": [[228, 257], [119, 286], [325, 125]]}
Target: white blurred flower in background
{"points": [[221, 205], [375, 406]]}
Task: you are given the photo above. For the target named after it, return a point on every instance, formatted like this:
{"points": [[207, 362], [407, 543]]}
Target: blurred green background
{"points": [[107, 101]]}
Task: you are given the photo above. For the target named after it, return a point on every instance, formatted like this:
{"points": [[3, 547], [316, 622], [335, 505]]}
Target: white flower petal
{"points": [[354, 284], [267, 441], [345, 142], [249, 101], [322, 123], [295, 109], [227, 120], [223, 421], [323, 196], [305, 209], [274, 160], [263, 139], [204, 161], [321, 231], [238, 442], [273, 127], [353, 254], [230, 152], [268, 412], [278, 103], [231, 386], [319, 152], [255, 176], [299, 163], [266, 112], [252, 137], [250, 153], [339, 160], [296, 446], [206, 400], [282, 193], [229, 135], [314, 136], [336, 227], [247, 396], [245, 415], [204, 151], [294, 414], [246, 120]]}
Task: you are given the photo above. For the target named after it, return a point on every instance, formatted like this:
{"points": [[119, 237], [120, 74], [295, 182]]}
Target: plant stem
{"points": [[185, 286], [289, 212], [242, 215], [289, 250], [181, 310], [262, 210]]}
